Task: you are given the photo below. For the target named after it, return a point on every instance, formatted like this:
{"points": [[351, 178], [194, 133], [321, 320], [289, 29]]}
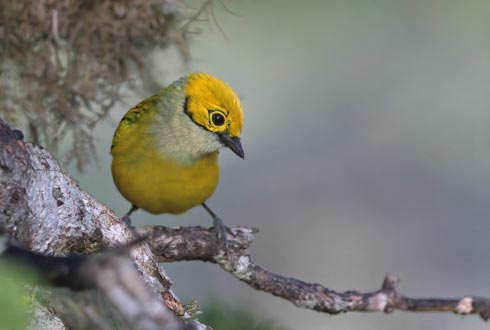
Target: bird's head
{"points": [[213, 105]]}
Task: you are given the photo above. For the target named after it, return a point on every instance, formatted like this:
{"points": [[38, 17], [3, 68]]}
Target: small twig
{"points": [[207, 7], [54, 25], [229, 11], [198, 14], [198, 243]]}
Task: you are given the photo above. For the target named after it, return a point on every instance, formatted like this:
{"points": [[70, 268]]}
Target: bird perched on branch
{"points": [[165, 149]]}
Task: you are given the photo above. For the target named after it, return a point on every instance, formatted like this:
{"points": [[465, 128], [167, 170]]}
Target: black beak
{"points": [[233, 143]]}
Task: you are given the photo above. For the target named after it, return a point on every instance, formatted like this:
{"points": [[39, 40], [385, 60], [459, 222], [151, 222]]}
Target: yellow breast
{"points": [[158, 185]]}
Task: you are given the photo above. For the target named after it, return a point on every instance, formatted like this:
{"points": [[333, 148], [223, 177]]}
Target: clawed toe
{"points": [[221, 232]]}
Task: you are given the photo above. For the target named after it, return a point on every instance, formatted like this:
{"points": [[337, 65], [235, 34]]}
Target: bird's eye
{"points": [[218, 119]]}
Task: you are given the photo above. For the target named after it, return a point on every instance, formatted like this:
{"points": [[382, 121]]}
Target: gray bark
{"points": [[45, 210]]}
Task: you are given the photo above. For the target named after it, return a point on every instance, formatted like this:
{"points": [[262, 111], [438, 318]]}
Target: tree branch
{"points": [[44, 209], [197, 243]]}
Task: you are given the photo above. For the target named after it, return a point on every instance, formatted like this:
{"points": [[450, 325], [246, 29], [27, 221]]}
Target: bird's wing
{"points": [[131, 122]]}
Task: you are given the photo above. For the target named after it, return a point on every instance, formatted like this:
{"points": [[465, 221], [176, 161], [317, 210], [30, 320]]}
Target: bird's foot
{"points": [[127, 219], [221, 232], [219, 228]]}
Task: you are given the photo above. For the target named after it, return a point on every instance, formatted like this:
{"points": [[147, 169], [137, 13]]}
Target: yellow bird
{"points": [[165, 149]]}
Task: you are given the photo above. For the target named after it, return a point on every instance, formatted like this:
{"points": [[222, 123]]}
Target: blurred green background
{"points": [[367, 147]]}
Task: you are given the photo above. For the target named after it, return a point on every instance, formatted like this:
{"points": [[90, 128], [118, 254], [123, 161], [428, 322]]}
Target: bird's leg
{"points": [[218, 226], [127, 217]]}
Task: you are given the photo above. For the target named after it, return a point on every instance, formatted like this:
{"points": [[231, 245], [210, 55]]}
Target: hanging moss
{"points": [[63, 62]]}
